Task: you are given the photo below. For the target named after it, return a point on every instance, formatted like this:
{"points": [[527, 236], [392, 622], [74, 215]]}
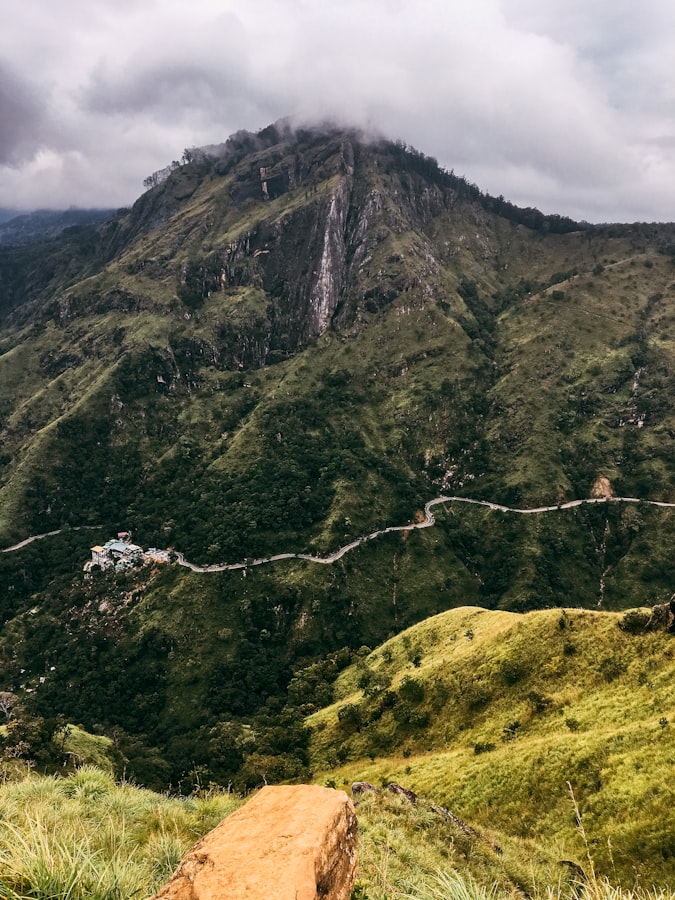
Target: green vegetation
{"points": [[411, 852], [86, 838], [235, 375], [491, 714], [487, 714], [151, 389]]}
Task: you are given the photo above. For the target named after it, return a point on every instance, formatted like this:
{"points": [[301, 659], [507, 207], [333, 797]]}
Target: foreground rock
{"points": [[287, 843]]}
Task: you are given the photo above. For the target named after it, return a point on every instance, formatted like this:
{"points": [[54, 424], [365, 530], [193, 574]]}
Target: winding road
{"points": [[427, 522], [39, 537]]}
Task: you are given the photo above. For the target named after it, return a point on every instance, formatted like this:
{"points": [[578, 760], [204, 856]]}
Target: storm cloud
{"points": [[21, 118], [563, 105]]}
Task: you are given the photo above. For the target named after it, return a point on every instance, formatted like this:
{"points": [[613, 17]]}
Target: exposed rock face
{"points": [[287, 843], [363, 787], [399, 791], [325, 294], [602, 488]]}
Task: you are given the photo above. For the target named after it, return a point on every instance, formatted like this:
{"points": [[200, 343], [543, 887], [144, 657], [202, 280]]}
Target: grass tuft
{"points": [[86, 838]]}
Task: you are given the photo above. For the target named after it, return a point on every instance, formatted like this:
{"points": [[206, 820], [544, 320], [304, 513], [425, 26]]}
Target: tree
{"points": [[350, 716], [8, 704], [37, 739]]}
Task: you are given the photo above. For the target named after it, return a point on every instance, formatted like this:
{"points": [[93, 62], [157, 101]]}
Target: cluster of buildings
{"points": [[120, 553]]}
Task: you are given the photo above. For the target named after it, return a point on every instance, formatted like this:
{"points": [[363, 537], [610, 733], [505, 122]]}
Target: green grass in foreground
{"points": [[411, 852], [85, 837]]}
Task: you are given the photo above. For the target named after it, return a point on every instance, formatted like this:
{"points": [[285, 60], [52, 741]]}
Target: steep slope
{"points": [[378, 310], [490, 714]]}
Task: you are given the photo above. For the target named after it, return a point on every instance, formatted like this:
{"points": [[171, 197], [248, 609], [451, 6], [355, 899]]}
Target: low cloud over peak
{"points": [[565, 106]]}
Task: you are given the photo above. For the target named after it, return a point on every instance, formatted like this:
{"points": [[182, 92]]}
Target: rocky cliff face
{"points": [[326, 291]]}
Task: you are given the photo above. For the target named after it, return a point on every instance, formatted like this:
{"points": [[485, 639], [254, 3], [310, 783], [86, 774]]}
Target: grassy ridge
{"points": [[491, 714], [177, 653]]}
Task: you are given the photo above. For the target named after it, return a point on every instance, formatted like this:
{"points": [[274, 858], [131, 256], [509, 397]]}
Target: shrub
{"points": [[350, 716], [486, 747], [637, 621], [510, 731], [611, 668], [512, 672], [539, 701], [634, 621], [411, 690], [476, 694]]}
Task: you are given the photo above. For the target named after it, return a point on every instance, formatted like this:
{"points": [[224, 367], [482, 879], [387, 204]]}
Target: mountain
{"points": [[18, 228], [373, 328], [289, 342], [6, 214]]}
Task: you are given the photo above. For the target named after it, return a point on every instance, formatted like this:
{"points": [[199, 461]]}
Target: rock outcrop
{"points": [[363, 787], [287, 843], [602, 488]]}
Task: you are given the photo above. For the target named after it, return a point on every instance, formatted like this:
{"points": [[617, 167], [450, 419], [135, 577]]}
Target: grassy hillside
{"points": [[491, 714], [165, 659]]}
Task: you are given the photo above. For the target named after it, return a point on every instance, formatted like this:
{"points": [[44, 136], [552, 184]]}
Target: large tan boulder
{"points": [[291, 842]]}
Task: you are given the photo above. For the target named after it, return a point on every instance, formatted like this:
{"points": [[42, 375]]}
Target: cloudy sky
{"points": [[568, 105]]}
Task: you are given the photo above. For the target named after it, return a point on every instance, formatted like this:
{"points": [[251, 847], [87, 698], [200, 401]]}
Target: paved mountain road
{"points": [[427, 522], [39, 537]]}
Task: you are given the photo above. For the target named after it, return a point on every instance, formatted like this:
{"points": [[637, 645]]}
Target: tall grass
{"points": [[453, 886], [86, 838], [411, 853], [483, 672]]}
